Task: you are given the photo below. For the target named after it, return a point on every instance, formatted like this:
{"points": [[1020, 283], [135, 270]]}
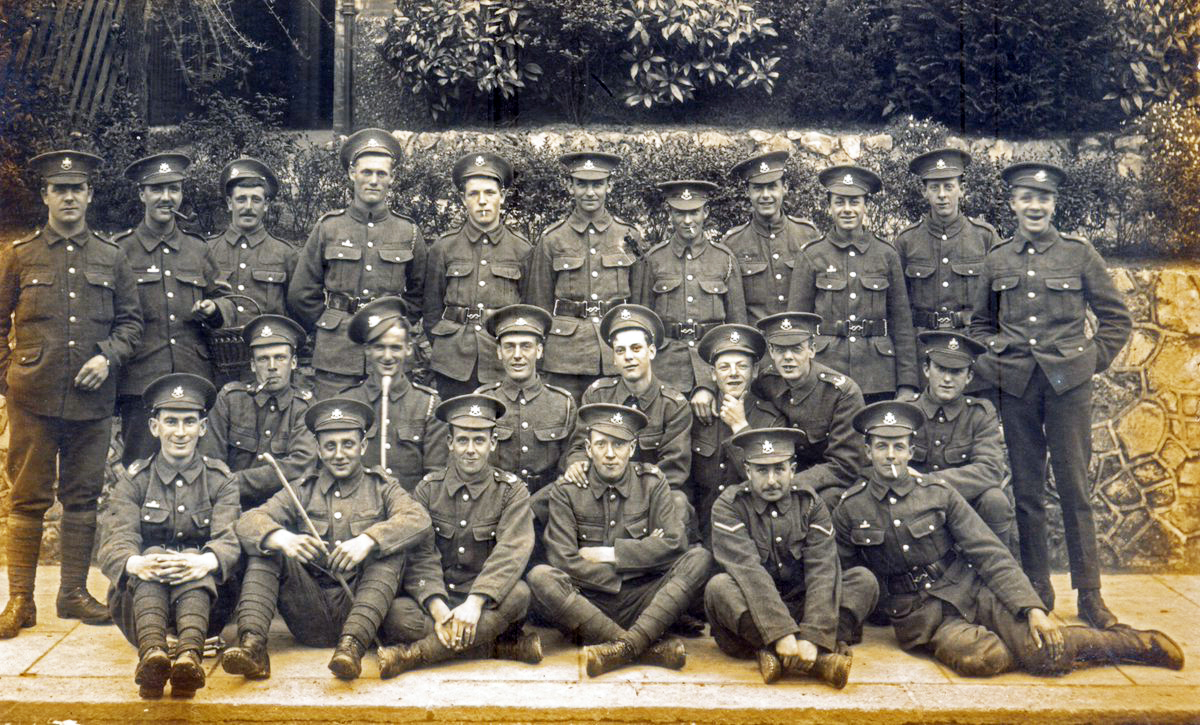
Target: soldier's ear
{"points": [[203, 427], [540, 349], [653, 351], [155, 428]]}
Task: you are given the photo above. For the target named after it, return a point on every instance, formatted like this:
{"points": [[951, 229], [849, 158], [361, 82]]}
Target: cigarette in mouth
{"points": [[894, 474]]}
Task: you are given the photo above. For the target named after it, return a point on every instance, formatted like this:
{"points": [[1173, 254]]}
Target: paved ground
{"points": [[67, 672]]}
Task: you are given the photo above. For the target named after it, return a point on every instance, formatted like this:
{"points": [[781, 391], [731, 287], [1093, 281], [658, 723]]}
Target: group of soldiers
{"points": [[780, 435]]}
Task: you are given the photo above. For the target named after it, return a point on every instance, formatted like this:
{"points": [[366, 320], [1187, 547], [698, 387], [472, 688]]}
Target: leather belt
{"points": [[920, 577], [934, 320], [537, 481], [585, 308], [463, 315], [854, 328], [688, 330], [344, 302]]}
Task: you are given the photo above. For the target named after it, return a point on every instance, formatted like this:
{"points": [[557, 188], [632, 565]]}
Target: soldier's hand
{"points": [[187, 567], [302, 547], [144, 567], [704, 405], [441, 613], [576, 474], [1046, 633], [733, 412], [657, 534], [464, 619], [907, 393], [351, 553], [93, 373]]}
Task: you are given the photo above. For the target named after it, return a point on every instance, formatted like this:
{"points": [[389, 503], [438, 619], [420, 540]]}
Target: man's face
{"points": [[848, 212], [519, 353], [792, 362], [889, 455], [341, 452], [484, 200], [689, 223], [273, 366], [944, 196], [946, 384], [769, 481], [247, 204], [178, 430], [767, 199], [1034, 208], [609, 456], [388, 352], [67, 203], [371, 176], [161, 201], [732, 372], [589, 195], [632, 354], [470, 448]]}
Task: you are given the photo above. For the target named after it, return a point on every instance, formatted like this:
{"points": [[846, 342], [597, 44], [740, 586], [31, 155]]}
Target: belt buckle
{"points": [[919, 577], [474, 314], [945, 320], [856, 328], [592, 309], [687, 330]]}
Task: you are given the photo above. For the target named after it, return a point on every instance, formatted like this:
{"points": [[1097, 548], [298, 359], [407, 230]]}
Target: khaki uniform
{"points": [[766, 255], [534, 432], [416, 439], [258, 266]]}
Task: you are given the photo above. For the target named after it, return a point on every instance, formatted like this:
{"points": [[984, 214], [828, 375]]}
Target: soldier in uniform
{"points": [[960, 441], [815, 399], [473, 271], [692, 285], [1030, 310], [178, 284], [267, 416], [619, 571], [942, 254], [469, 590], [853, 280], [354, 255], [69, 296], [951, 588], [783, 597], [333, 567], [766, 247], [168, 542], [581, 267]]}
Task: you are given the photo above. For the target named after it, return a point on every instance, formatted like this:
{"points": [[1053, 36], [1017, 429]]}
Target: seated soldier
{"points": [[416, 440], [783, 597], [960, 441], [470, 584], [619, 572], [950, 587], [168, 544], [329, 550], [266, 417]]}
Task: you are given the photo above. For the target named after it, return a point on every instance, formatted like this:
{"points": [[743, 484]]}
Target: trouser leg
{"points": [[860, 594], [314, 614], [373, 597], [405, 621], [24, 545], [1025, 439], [151, 607], [994, 507], [260, 594], [135, 429], [1069, 437], [681, 584], [971, 650], [725, 605], [191, 619], [556, 599]]}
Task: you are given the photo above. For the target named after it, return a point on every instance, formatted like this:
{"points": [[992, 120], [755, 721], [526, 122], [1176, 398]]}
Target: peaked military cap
{"points": [[731, 338], [619, 421], [950, 349], [158, 169], [519, 318], [179, 390], [789, 328], [1035, 175], [339, 414], [273, 330], [940, 164], [687, 194], [65, 166], [369, 141], [850, 180], [590, 164], [767, 445], [249, 169], [635, 317], [888, 418], [761, 169], [470, 411], [375, 318], [483, 163]]}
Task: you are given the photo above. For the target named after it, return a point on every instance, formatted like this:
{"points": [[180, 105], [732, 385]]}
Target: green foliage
{"points": [[1157, 53], [1172, 175], [575, 40]]}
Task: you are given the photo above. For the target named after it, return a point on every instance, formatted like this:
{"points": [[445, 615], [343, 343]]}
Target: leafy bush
{"points": [[576, 40], [1172, 175], [1156, 54]]}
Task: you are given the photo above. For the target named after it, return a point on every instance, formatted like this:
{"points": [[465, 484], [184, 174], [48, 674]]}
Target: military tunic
{"points": [[535, 431], [352, 256], [578, 270], [243, 425], [857, 286], [256, 265], [692, 289], [766, 255], [416, 438]]}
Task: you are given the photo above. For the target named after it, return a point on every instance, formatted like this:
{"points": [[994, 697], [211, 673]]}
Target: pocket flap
{"points": [[269, 275], [487, 532], [557, 433], [564, 326], [866, 537], [330, 319], [998, 344], [926, 524], [967, 269], [335, 251], [194, 279], [155, 515], [920, 453], [566, 262], [1072, 345], [37, 277], [409, 431], [638, 526], [503, 432], [445, 327], [714, 286], [958, 455], [830, 281], [1000, 284], [100, 279], [591, 533], [395, 255], [883, 345], [749, 268], [506, 271], [245, 439], [144, 277], [822, 342], [459, 269], [875, 282], [444, 527], [1071, 283], [202, 519], [28, 355], [666, 284], [918, 271], [616, 260]]}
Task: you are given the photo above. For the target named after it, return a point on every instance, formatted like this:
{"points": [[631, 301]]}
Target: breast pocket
{"points": [[393, 262], [201, 524], [1064, 296], [871, 536], [458, 280], [568, 284], [616, 274], [342, 264], [874, 292], [272, 283], [39, 294], [715, 290], [967, 273], [188, 291], [590, 533], [156, 525], [958, 455], [101, 283], [1008, 287], [666, 285], [637, 525], [926, 532]]}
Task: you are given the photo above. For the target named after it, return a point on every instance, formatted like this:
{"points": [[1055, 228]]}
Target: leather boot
{"points": [[19, 613], [1045, 591], [667, 652], [346, 662], [832, 669], [24, 544], [74, 601], [608, 656], [1094, 611], [397, 660], [525, 648], [248, 658], [769, 666], [1124, 645], [187, 674], [153, 669]]}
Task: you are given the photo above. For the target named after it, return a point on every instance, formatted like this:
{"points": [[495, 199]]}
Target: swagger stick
{"points": [[384, 435]]}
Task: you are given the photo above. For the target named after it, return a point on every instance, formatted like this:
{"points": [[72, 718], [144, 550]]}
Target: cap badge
{"points": [[764, 167], [941, 164], [475, 410], [373, 320], [520, 321], [66, 162], [164, 168], [1040, 175], [588, 164], [687, 194], [337, 414], [617, 418], [734, 336], [479, 161], [889, 418], [767, 447], [235, 172], [266, 331], [625, 314], [372, 143], [786, 324], [848, 179], [953, 344], [177, 392]]}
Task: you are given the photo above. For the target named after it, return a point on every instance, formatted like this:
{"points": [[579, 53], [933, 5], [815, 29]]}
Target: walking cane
{"points": [[383, 421]]}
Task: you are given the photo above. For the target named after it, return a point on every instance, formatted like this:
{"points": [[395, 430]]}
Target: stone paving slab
{"points": [[59, 672]]}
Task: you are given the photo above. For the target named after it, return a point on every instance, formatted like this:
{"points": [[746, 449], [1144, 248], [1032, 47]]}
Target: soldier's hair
{"points": [[247, 184]]}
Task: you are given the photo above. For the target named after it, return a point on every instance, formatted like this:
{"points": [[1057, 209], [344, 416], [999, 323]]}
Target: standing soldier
{"points": [[69, 296], [853, 280], [766, 247], [1030, 311], [179, 288], [942, 254], [354, 255], [470, 583], [267, 416], [415, 440], [582, 266], [473, 271]]}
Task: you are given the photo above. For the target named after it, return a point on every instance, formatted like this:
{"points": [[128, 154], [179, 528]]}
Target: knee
{"points": [[983, 662], [546, 582], [695, 565], [860, 591], [405, 622], [722, 596], [994, 507], [516, 603]]}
